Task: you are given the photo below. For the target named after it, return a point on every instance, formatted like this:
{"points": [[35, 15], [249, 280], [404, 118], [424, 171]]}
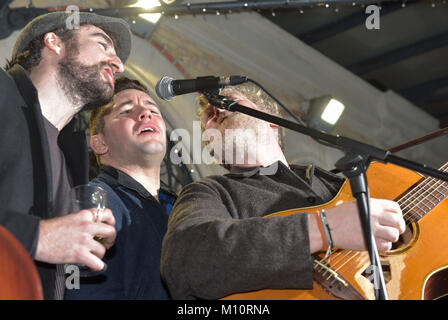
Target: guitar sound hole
{"points": [[405, 238]]}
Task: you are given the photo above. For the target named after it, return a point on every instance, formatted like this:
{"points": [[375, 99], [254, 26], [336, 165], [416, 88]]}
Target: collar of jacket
{"points": [[128, 182], [307, 172], [24, 84], [72, 143], [43, 200], [246, 172]]}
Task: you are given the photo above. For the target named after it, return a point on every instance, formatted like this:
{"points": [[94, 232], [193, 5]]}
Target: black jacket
{"points": [[25, 168]]}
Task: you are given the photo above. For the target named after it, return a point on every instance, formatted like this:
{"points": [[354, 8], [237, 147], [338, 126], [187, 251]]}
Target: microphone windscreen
{"points": [[164, 89]]}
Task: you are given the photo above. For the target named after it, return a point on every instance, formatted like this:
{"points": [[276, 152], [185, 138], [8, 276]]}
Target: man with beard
{"points": [[219, 240], [53, 74], [128, 136]]}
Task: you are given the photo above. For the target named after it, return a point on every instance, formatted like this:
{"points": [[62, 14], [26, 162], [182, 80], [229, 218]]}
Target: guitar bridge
{"points": [[333, 283]]}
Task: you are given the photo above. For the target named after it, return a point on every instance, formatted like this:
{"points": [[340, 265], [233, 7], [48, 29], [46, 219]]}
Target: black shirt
{"points": [[59, 174]]}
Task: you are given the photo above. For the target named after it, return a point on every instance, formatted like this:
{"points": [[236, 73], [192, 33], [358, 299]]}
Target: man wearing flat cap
{"points": [[54, 73]]}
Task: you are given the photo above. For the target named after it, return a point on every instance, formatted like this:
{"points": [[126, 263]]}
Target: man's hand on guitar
{"points": [[386, 220]]}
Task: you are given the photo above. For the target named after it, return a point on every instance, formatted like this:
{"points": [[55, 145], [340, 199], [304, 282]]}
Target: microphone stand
{"points": [[353, 165]]}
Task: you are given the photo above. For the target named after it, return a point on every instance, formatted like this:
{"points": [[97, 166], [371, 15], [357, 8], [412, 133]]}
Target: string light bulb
{"points": [[148, 4]]}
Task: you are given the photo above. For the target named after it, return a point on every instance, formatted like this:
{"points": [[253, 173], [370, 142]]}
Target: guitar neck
{"points": [[423, 197]]}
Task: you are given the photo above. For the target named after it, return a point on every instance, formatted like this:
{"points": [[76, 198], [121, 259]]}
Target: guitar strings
{"points": [[411, 196], [353, 255], [429, 185], [429, 201], [336, 257]]}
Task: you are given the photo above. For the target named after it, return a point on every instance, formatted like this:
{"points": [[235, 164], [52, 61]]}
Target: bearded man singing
{"points": [[53, 74]]}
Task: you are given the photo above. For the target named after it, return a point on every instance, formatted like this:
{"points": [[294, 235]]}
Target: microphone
{"points": [[167, 88]]}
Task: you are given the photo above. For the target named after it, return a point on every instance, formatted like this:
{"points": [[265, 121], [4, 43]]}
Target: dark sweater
{"points": [[219, 241]]}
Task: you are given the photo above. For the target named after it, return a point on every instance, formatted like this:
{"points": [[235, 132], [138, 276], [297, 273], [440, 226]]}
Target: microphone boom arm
{"points": [[336, 141]]}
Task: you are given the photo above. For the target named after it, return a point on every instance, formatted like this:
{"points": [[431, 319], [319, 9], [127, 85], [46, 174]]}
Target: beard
{"points": [[239, 140], [83, 84]]}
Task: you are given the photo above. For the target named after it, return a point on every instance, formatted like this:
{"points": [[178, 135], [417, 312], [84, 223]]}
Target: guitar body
{"points": [[19, 279], [417, 269]]}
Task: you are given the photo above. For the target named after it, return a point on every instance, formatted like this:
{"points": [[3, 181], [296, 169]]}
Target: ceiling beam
{"points": [[423, 92], [444, 122], [351, 21], [400, 54], [437, 107]]}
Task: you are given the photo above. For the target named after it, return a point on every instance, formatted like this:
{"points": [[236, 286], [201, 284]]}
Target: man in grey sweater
{"points": [[219, 240]]}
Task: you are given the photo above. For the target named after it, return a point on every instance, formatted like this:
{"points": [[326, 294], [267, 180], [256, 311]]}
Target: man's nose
{"points": [[144, 113], [116, 64]]}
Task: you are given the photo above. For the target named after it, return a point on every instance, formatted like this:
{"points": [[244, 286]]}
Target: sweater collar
{"points": [[246, 172]]}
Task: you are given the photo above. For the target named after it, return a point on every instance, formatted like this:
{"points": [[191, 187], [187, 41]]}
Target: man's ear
{"points": [[53, 43], [98, 144]]}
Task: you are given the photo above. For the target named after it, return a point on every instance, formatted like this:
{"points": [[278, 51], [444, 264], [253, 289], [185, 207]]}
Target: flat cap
{"points": [[51, 21]]}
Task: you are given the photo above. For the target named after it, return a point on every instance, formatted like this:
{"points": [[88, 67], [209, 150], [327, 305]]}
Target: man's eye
{"points": [[104, 45], [126, 111]]}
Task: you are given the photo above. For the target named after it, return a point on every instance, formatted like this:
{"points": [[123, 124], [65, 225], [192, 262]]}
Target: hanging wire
{"points": [[278, 101], [300, 121]]}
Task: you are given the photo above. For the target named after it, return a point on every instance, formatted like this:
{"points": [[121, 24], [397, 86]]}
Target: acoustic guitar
{"points": [[416, 267], [19, 279]]}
